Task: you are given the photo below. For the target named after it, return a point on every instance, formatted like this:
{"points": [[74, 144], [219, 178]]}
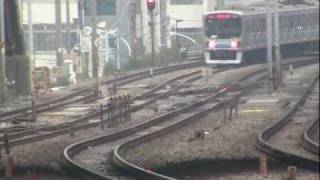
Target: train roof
{"points": [[248, 7]]}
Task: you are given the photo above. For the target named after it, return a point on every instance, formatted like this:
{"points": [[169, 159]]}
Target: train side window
{"points": [[282, 23], [256, 25], [264, 27], [316, 20], [292, 23], [251, 26], [286, 22]]}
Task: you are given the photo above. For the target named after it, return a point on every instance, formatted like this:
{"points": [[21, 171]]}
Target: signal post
{"points": [[151, 6]]}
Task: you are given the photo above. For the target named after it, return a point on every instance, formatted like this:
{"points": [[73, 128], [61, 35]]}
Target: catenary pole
{"points": [[269, 47], [68, 28], [59, 49], [277, 45], [94, 48], [31, 49]]}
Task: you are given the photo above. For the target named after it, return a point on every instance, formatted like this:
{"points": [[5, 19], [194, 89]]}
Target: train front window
{"points": [[226, 26]]}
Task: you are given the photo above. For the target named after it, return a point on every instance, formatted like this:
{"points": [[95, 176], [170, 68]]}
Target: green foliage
{"points": [[134, 63], [109, 69], [167, 56]]}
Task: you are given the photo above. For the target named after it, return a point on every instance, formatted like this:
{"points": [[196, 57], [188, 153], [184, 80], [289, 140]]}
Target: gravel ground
{"points": [[238, 170], [138, 87], [302, 175], [230, 140]]}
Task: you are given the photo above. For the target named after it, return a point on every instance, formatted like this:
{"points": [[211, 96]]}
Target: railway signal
{"points": [[151, 4]]}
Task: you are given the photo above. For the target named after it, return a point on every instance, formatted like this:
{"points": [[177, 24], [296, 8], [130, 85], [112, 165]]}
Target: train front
{"points": [[223, 32]]}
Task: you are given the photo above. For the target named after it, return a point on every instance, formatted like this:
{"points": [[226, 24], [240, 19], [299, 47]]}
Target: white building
{"points": [[43, 11]]}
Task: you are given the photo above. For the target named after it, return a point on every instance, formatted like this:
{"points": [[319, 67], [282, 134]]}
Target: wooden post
{"points": [[225, 110], [120, 109], [115, 83], [112, 111], [0, 152], [101, 118], [128, 108], [263, 166], [292, 172], [9, 167], [230, 111], [6, 143], [34, 107], [291, 69], [109, 114]]}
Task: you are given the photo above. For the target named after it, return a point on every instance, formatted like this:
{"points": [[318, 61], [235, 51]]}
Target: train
{"points": [[239, 35]]}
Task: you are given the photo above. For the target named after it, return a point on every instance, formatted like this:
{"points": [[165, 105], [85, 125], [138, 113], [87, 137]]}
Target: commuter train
{"points": [[238, 36]]}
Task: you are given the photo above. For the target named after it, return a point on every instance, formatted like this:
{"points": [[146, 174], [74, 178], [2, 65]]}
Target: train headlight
{"points": [[235, 44], [212, 44]]}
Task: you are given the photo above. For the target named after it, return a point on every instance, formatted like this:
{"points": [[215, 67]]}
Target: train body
{"points": [[233, 36]]}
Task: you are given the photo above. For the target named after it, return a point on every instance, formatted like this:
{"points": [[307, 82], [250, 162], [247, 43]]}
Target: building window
{"points": [[182, 2], [106, 7]]}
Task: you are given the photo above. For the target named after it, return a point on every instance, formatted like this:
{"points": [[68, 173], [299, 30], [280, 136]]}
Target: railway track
{"points": [[199, 109], [43, 133], [282, 140], [85, 93], [140, 133], [310, 137]]}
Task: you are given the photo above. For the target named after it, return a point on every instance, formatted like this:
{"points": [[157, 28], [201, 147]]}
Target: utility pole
{"points": [[278, 69], [94, 52], [133, 28], [59, 49], [205, 6], [152, 38], [269, 47], [31, 49], [163, 22], [141, 33], [68, 26], [81, 13], [2, 54]]}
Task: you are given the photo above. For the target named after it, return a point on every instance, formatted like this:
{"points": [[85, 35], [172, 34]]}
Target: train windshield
{"points": [[223, 25]]}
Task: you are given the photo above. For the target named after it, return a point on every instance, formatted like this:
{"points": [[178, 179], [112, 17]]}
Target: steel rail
{"points": [[66, 129], [262, 140], [10, 115], [72, 150], [147, 174], [306, 138], [78, 147]]}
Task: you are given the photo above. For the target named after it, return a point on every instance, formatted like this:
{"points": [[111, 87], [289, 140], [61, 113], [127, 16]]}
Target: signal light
{"points": [[235, 44], [151, 4]]}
